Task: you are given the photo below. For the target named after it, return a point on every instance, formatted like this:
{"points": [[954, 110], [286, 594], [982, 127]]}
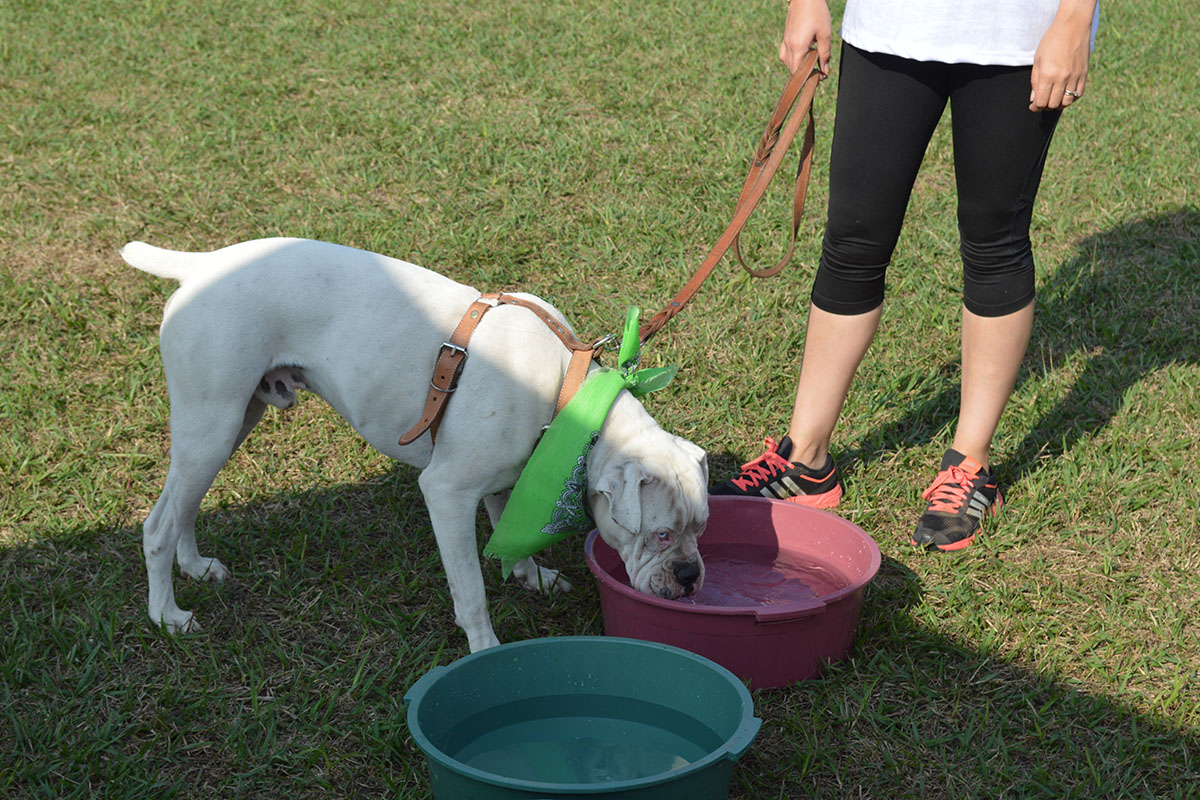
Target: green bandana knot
{"points": [[548, 502]]}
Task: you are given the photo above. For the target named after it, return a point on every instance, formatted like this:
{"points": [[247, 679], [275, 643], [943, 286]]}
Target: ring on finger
{"points": [[1071, 93]]}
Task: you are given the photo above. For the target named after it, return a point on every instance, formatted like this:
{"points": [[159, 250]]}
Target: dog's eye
{"points": [[663, 536]]}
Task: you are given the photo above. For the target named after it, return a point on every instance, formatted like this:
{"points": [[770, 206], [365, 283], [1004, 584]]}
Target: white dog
{"points": [[254, 322]]}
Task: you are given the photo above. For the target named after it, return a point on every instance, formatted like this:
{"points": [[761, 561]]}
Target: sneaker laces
{"points": [[765, 466], [949, 489]]}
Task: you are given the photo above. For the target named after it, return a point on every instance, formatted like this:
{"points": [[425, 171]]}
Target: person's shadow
{"points": [[1125, 305]]}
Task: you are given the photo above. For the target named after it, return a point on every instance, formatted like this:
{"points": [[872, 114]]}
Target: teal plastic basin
{"points": [[573, 716]]}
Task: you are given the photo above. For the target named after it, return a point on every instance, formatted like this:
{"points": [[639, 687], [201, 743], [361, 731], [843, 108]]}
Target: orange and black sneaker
{"points": [[772, 475], [961, 495]]}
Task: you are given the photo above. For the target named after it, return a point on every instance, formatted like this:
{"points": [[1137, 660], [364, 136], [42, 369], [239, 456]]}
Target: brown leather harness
{"points": [[453, 356], [793, 110]]}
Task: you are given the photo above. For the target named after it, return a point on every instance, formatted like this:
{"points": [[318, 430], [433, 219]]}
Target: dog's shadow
{"points": [[374, 536]]}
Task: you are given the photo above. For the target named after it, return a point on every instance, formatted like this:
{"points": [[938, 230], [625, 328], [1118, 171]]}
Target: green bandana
{"points": [[548, 503]]}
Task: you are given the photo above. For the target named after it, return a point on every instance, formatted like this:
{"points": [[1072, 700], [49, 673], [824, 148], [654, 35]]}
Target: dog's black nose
{"points": [[686, 573]]}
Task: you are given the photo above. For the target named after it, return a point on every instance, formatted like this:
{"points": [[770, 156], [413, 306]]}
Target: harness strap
{"points": [[452, 356], [577, 371]]}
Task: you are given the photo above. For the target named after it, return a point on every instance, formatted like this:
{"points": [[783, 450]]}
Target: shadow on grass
{"points": [[1127, 304], [370, 541], [338, 604], [912, 713]]}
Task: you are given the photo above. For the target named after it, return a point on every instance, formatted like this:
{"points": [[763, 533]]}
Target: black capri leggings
{"points": [[887, 109]]}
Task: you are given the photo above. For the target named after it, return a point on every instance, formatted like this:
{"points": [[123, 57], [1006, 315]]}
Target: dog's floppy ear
{"points": [[622, 485]]}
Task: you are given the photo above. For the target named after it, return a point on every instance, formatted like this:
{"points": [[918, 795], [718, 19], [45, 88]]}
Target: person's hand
{"points": [[807, 23], [1060, 64]]}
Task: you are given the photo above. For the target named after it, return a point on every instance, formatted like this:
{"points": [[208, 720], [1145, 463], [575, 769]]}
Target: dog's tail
{"points": [[158, 261]]}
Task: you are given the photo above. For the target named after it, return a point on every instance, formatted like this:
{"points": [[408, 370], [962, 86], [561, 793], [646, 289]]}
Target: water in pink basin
{"points": [[743, 577]]}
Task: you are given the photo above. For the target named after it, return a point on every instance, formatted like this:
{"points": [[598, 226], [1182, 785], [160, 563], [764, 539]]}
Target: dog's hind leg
{"points": [[254, 413], [200, 445], [191, 563]]}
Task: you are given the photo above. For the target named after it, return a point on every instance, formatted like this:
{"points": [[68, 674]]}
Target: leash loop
{"points": [[793, 110]]}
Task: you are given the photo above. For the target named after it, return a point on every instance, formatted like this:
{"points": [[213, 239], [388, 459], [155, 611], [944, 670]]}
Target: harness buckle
{"points": [[452, 383]]}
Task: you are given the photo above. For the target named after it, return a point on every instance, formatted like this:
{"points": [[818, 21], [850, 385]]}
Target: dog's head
{"points": [[651, 505]]}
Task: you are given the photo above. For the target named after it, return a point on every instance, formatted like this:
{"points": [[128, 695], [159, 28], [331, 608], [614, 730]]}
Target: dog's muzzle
{"points": [[686, 573]]}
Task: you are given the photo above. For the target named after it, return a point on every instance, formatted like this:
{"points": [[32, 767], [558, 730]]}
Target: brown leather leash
{"points": [[796, 100], [793, 110]]}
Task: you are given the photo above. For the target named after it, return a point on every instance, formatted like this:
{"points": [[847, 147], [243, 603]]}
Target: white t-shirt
{"points": [[952, 31]]}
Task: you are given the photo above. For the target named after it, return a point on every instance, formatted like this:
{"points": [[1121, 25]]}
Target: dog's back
{"points": [[357, 328], [299, 276]]}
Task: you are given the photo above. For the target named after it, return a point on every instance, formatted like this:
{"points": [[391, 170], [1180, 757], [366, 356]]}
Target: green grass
{"points": [[588, 152]]}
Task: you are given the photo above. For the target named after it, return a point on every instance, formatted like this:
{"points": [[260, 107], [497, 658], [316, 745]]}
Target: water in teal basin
{"points": [[569, 740]]}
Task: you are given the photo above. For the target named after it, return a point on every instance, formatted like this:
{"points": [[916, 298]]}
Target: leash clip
{"points": [[608, 341]]}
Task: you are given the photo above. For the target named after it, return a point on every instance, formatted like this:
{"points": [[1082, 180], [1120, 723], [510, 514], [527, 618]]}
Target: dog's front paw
{"points": [[177, 621], [551, 581], [482, 641], [205, 569], [540, 579]]}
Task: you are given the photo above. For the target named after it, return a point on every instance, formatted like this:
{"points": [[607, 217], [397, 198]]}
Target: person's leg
{"points": [[992, 351], [999, 150], [887, 110], [834, 346]]}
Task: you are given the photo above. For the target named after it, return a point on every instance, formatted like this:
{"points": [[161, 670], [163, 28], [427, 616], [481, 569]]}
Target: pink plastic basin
{"points": [[782, 591]]}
